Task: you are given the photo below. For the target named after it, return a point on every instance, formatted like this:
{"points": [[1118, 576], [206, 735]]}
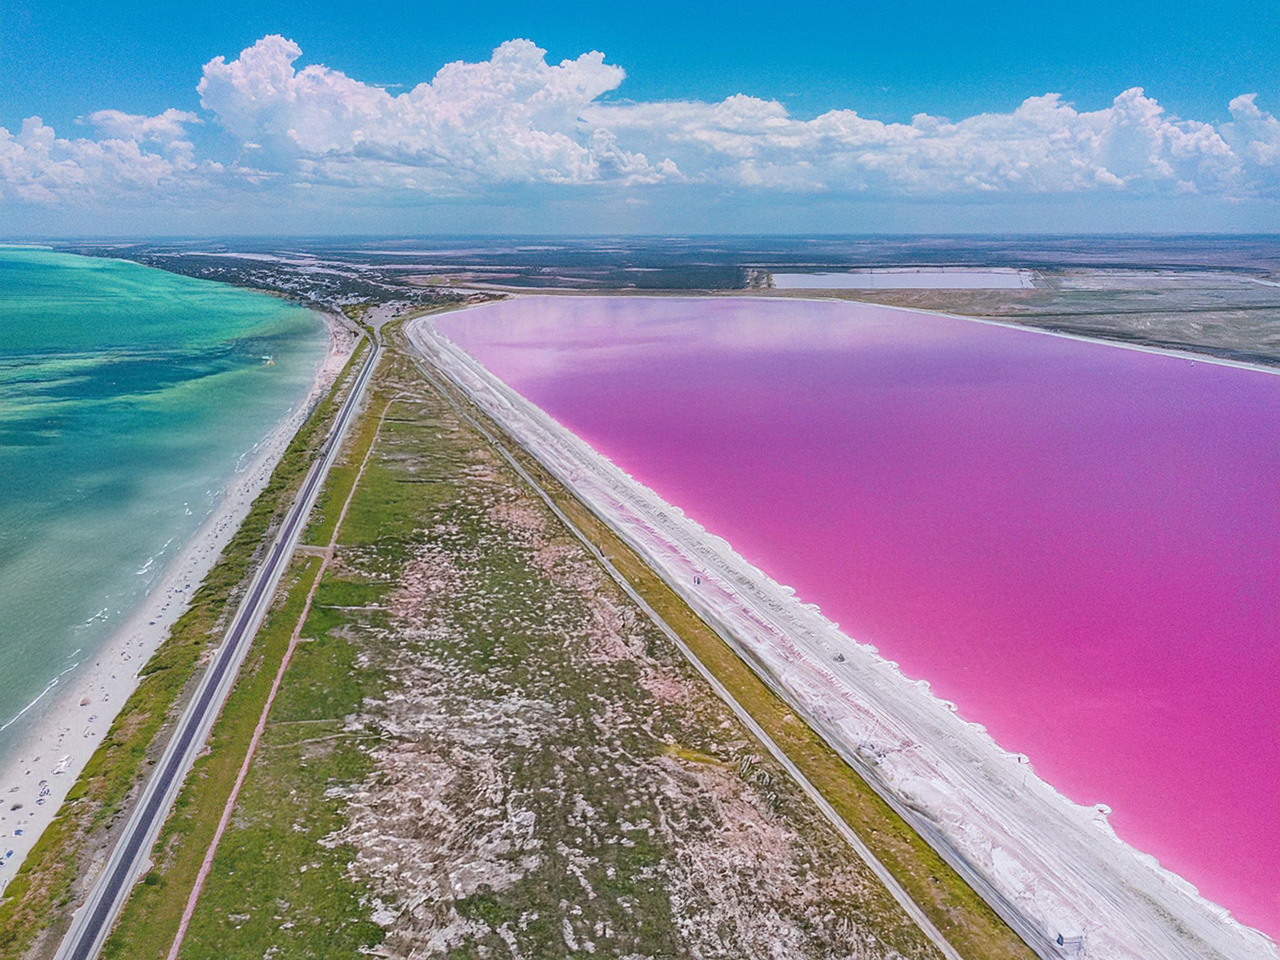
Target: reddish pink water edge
{"points": [[1078, 544]]}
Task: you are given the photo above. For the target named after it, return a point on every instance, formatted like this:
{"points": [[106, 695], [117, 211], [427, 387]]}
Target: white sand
{"points": [[1054, 868], [50, 757], [909, 278]]}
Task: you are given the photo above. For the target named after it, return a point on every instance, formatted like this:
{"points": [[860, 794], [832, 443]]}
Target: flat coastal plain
{"points": [[455, 735], [1218, 313], [481, 747]]}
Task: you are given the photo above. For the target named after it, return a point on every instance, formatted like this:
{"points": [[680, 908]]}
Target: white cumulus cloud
{"points": [[517, 120], [1253, 134], [1043, 146], [38, 166], [166, 127], [511, 119]]}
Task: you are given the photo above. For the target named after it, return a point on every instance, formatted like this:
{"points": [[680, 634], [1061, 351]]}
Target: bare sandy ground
{"points": [[35, 781], [1054, 867]]}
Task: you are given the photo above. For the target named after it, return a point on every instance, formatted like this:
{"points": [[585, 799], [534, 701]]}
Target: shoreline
{"points": [[1049, 865], [814, 296], [48, 759]]}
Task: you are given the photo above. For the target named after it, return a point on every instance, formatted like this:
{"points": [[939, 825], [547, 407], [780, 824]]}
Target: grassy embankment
{"points": [[38, 902], [153, 912], [271, 864], [959, 913], [321, 687]]}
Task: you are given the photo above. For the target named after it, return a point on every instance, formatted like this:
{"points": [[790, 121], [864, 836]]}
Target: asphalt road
{"points": [[129, 857]]}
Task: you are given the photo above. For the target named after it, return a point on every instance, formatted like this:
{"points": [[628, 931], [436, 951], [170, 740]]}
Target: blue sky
{"points": [[615, 154]]}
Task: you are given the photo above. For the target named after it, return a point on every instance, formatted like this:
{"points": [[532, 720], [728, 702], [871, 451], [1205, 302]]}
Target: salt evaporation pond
{"points": [[906, 279], [1079, 544]]}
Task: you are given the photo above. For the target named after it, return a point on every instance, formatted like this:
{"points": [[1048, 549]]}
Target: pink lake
{"points": [[1078, 544]]}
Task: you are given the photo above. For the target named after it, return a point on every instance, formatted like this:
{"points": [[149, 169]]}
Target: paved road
{"points": [[129, 857]]}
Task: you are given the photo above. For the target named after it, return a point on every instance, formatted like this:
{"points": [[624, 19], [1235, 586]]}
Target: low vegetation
{"points": [[1218, 314]]}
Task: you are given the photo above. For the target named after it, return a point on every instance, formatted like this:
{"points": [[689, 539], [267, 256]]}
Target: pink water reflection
{"points": [[1078, 544]]}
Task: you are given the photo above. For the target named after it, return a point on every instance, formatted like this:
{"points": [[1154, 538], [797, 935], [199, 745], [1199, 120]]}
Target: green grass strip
{"points": [[151, 916]]}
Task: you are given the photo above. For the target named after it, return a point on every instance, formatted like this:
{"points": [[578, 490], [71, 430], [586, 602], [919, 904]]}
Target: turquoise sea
{"points": [[128, 399]]}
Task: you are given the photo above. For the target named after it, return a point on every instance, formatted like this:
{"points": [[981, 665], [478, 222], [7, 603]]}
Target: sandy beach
{"points": [[1054, 868], [36, 779]]}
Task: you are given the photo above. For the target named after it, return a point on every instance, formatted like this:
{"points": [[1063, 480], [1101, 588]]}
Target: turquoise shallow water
{"points": [[128, 399]]}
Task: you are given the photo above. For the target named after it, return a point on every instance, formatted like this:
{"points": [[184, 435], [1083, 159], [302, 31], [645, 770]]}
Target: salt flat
{"points": [[953, 278]]}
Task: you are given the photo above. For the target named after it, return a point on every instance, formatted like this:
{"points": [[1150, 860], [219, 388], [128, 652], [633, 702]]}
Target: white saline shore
{"points": [[908, 278], [50, 757], [1051, 867]]}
